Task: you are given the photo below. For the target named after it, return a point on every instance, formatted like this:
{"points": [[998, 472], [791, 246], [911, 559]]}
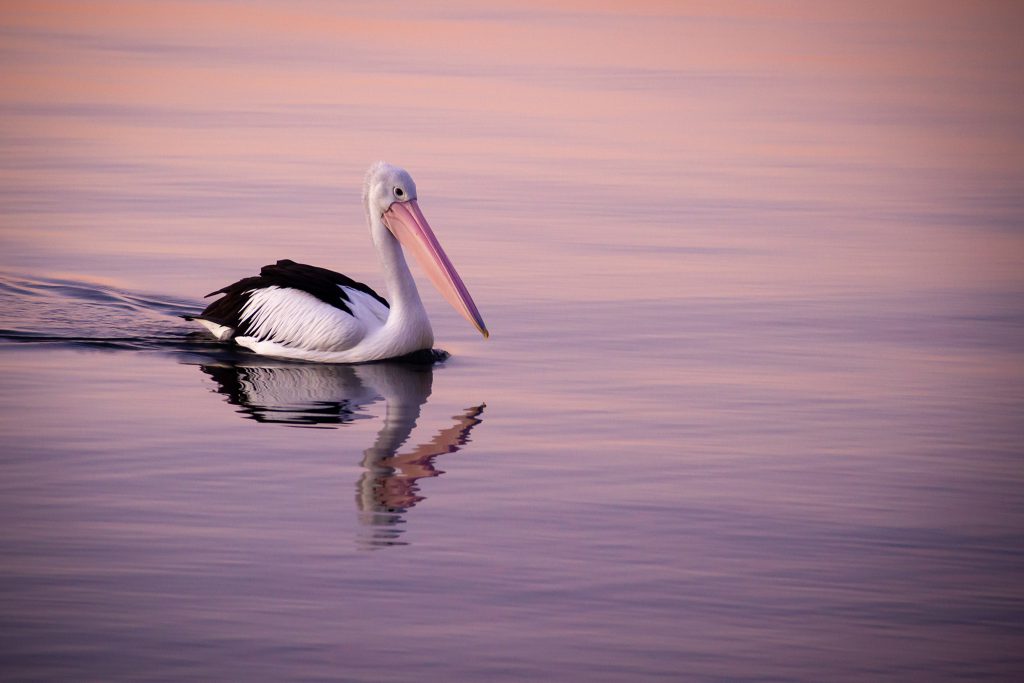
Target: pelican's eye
{"points": [[399, 192]]}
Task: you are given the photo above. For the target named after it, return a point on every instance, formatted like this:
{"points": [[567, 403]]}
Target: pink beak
{"points": [[406, 222]]}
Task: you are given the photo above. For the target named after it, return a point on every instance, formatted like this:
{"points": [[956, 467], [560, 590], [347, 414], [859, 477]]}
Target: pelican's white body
{"points": [[319, 332]]}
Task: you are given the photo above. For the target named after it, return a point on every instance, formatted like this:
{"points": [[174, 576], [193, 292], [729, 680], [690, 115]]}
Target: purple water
{"points": [[750, 410]]}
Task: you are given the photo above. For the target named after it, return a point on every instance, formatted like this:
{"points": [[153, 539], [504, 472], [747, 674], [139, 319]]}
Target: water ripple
{"points": [[80, 314]]}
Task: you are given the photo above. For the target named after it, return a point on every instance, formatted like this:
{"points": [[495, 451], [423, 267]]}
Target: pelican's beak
{"points": [[406, 222]]}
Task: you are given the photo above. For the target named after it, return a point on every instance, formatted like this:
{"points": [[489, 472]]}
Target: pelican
{"points": [[299, 312]]}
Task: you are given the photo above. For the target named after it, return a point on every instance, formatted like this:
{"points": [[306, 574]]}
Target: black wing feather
{"points": [[322, 283]]}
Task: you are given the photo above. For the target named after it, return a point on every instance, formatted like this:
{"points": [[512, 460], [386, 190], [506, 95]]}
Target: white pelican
{"points": [[291, 310]]}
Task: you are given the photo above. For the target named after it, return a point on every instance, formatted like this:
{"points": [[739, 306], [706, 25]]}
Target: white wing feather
{"points": [[294, 318]]}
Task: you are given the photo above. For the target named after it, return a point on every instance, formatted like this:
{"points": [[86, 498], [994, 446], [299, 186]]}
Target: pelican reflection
{"points": [[328, 396]]}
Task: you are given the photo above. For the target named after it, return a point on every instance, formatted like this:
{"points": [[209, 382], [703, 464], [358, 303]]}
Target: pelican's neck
{"points": [[407, 311]]}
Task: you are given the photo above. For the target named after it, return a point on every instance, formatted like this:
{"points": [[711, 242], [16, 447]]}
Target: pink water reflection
{"points": [[739, 132]]}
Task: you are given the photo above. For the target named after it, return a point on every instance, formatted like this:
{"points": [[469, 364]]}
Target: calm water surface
{"points": [[751, 408]]}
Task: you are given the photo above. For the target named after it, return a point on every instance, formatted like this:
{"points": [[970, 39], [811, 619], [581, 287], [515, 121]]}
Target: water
{"points": [[751, 405]]}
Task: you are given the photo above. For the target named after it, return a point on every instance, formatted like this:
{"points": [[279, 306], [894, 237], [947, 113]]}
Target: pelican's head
{"points": [[389, 195], [384, 185]]}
